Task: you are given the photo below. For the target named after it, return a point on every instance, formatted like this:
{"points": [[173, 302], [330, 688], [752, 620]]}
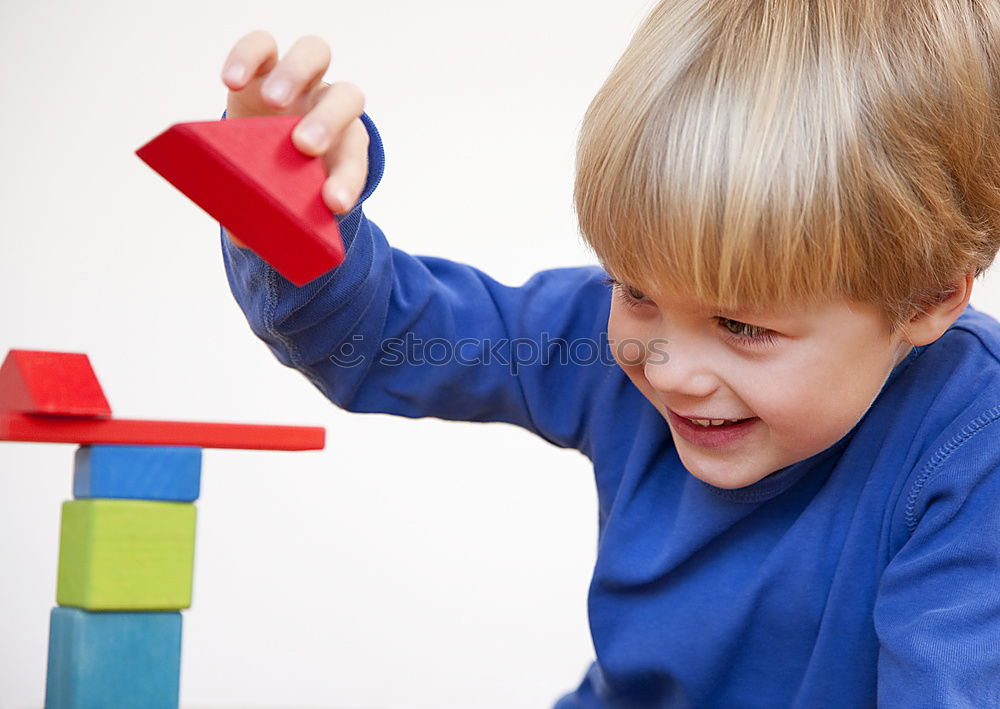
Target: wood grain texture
{"points": [[126, 555], [104, 660], [170, 473]]}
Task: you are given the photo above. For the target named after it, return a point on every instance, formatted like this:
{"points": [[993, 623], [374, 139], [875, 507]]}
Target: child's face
{"points": [[804, 376]]}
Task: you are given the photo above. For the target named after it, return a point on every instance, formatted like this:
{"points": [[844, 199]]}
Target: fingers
{"points": [[333, 129], [348, 165], [338, 105], [260, 84], [297, 72], [253, 55]]}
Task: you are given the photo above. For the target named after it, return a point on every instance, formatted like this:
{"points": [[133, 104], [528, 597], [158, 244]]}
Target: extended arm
{"points": [[415, 336]]}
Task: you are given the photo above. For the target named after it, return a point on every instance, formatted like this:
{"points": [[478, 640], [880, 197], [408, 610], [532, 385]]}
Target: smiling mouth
{"points": [[711, 436]]}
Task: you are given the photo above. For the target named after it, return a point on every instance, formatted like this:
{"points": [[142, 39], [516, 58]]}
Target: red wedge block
{"points": [[54, 383], [247, 174]]}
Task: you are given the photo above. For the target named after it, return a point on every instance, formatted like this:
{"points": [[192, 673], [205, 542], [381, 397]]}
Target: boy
{"points": [[794, 443]]}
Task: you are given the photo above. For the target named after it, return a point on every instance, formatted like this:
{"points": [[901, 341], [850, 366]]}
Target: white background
{"points": [[412, 563]]}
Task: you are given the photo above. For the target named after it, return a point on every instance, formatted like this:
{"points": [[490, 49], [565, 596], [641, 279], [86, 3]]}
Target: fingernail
{"points": [[312, 134], [234, 73], [278, 89]]}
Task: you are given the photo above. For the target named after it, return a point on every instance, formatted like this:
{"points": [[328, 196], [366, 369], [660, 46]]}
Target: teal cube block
{"points": [[169, 473], [99, 660]]}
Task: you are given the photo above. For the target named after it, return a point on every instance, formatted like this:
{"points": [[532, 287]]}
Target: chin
{"points": [[728, 483], [724, 476]]}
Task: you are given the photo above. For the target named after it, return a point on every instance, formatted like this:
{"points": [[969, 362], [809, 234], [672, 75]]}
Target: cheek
{"points": [[627, 338], [790, 404], [816, 398]]}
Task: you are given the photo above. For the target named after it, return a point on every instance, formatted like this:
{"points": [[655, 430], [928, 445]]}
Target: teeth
{"points": [[708, 422]]}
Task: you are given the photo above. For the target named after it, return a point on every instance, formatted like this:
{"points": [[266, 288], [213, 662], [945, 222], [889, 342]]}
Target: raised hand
{"points": [[261, 85]]}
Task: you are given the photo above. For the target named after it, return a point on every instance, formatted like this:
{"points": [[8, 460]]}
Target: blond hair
{"points": [[761, 153]]}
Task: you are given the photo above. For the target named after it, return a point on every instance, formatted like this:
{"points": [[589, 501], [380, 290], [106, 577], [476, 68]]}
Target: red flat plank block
{"points": [[247, 174], [66, 429], [54, 383]]}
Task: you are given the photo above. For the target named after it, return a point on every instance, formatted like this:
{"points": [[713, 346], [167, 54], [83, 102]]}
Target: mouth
{"points": [[711, 436]]}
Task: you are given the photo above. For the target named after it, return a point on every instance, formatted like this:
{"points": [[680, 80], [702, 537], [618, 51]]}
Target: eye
{"points": [[746, 334], [630, 296], [742, 333]]}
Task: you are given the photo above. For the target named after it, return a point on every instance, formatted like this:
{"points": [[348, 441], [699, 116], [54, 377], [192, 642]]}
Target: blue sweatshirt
{"points": [[868, 574]]}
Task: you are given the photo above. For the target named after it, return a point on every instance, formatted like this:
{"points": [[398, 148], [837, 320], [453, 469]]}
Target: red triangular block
{"points": [[247, 174], [57, 383]]}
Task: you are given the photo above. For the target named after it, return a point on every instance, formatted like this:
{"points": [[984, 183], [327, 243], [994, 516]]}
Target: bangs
{"points": [[740, 154]]}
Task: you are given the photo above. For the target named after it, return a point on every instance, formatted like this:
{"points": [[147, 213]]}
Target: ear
{"points": [[928, 325]]}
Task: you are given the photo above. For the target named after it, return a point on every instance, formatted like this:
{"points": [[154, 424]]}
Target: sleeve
{"points": [[937, 611], [389, 332]]}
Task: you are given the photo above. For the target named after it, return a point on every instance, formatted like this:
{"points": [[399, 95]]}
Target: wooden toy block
{"points": [[104, 660], [65, 429], [126, 555], [137, 472], [247, 174], [53, 383]]}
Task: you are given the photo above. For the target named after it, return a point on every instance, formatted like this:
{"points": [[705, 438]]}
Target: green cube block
{"points": [[126, 555]]}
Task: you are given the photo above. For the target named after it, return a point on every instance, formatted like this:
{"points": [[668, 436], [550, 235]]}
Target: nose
{"points": [[682, 373]]}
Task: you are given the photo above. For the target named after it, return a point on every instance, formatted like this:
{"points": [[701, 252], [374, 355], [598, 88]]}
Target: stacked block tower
{"points": [[126, 550]]}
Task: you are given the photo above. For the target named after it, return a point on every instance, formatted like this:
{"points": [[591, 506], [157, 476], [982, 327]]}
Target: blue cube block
{"points": [[99, 660], [138, 472]]}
